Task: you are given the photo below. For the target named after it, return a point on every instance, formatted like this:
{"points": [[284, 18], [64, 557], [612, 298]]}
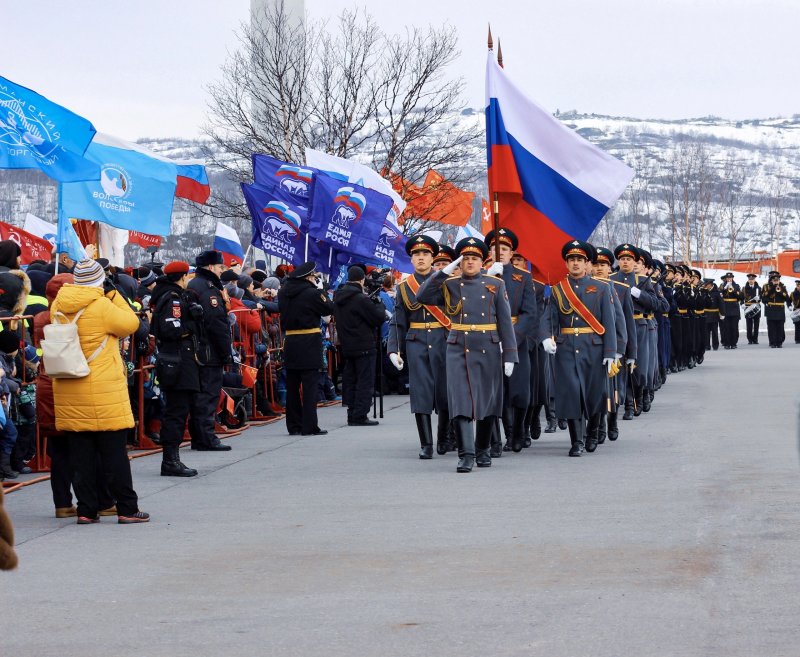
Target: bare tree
{"points": [[737, 203], [352, 91]]}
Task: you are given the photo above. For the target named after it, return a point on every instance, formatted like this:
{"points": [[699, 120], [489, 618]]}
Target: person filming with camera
{"points": [[358, 317]]}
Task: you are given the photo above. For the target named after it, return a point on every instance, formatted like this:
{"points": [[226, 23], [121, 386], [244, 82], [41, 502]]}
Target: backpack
{"points": [[61, 349]]}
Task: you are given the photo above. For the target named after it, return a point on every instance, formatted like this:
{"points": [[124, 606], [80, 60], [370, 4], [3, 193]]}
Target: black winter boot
{"points": [[496, 449], [508, 427], [6, 471], [171, 465], [483, 437], [601, 430], [466, 443], [534, 423], [613, 428], [591, 432], [425, 435], [517, 428], [442, 432], [576, 436]]}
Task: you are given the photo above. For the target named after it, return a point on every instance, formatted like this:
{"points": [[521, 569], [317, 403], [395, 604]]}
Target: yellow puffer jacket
{"points": [[98, 402]]}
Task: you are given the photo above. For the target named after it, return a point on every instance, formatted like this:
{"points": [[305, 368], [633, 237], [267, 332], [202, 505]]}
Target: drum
{"points": [[752, 310], [795, 315]]}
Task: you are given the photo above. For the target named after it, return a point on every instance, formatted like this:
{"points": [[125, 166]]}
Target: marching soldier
{"points": [[713, 305], [584, 341], [751, 295], [215, 349], [481, 347], [698, 317], [524, 316], [796, 309], [444, 257], [731, 298], [177, 324], [644, 303], [302, 305], [626, 344], [775, 298], [419, 331]]}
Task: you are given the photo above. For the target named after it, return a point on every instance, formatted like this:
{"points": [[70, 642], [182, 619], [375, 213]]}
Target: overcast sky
{"points": [[138, 69]]}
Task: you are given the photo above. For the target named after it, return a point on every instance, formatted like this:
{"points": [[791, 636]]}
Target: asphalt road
{"points": [[679, 539]]}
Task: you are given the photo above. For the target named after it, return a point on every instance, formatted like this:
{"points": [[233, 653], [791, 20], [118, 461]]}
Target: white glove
{"points": [[549, 345], [508, 368], [618, 356], [449, 269], [319, 283], [496, 269], [630, 361], [388, 315], [609, 363], [396, 361], [636, 292]]}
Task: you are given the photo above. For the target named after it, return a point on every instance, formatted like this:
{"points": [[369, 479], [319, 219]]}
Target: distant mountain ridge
{"points": [[766, 153]]}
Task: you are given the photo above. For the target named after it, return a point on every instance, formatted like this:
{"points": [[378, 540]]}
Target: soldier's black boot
{"points": [[552, 426], [591, 432], [508, 427], [536, 422], [526, 427], [613, 428], [451, 437], [628, 408], [517, 428], [483, 437], [442, 432], [425, 435], [637, 403], [466, 443], [171, 465], [646, 400], [601, 430], [576, 436], [496, 450]]}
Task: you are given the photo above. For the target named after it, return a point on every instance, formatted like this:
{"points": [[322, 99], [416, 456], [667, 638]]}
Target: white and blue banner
{"points": [[36, 133], [135, 191], [279, 222]]}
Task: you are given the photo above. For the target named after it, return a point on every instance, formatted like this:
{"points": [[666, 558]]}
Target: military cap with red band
{"points": [[504, 236], [577, 248], [472, 246], [422, 243]]}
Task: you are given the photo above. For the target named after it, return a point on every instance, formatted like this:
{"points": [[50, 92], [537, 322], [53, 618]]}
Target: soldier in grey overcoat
{"points": [[416, 333], [644, 304], [481, 347], [524, 316], [584, 343]]}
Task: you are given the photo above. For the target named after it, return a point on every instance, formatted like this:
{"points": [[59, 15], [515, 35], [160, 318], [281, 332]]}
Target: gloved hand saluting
{"points": [[549, 345], [508, 369], [396, 361], [449, 269], [496, 269]]}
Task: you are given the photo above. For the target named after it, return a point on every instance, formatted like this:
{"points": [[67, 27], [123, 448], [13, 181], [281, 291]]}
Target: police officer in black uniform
{"points": [[302, 306], [751, 296], [731, 298], [177, 322], [214, 350]]}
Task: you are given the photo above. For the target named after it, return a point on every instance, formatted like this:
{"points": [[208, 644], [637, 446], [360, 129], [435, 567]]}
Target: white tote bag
{"points": [[61, 349]]}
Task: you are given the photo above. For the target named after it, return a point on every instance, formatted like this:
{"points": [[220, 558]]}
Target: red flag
{"points": [[486, 217], [33, 247], [143, 239]]}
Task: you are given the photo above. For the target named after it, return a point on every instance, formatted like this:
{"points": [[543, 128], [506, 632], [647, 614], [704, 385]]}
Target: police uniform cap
{"points": [[176, 267], [306, 269], [708, 281], [577, 248], [422, 243], [503, 236], [208, 258], [727, 275], [797, 280], [751, 276], [446, 254], [472, 246], [646, 258], [696, 272], [626, 250], [229, 276], [669, 267], [603, 255]]}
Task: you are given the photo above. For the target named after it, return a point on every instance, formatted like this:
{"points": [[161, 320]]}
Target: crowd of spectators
{"points": [[89, 424]]}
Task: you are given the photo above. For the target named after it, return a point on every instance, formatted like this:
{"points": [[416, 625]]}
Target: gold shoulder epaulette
{"points": [[538, 281], [619, 282], [521, 269], [499, 278]]}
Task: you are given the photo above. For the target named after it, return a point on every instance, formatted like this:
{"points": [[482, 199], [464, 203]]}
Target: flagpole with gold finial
{"points": [[495, 201]]}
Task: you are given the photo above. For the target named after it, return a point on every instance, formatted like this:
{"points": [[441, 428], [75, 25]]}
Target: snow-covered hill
{"points": [[762, 154]]}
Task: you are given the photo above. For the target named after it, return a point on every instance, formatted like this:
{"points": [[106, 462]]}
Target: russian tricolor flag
{"points": [[227, 241], [552, 185]]}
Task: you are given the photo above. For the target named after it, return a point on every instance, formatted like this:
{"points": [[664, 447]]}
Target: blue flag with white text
{"points": [[36, 133], [295, 179], [135, 191], [67, 240], [279, 222], [347, 216]]}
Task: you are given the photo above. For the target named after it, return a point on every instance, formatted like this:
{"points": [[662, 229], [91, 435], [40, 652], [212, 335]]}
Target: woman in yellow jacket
{"points": [[95, 411]]}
